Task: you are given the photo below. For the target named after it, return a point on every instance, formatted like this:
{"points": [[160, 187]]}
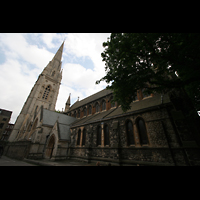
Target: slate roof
{"points": [[64, 131], [135, 107], [91, 98], [50, 117], [64, 121]]}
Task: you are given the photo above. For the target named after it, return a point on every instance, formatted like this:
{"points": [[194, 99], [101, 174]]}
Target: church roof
{"points": [[64, 131], [91, 98], [63, 122], [58, 54], [50, 117], [136, 106]]}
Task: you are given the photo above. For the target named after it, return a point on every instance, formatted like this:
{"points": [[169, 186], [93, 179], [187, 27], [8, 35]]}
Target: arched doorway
{"points": [[50, 147]]}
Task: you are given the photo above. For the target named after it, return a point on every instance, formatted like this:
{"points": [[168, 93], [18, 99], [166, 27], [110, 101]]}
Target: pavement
{"points": [[46, 162], [5, 161]]}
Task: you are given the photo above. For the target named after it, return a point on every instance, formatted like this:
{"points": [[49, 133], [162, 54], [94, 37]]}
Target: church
{"points": [[153, 132]]}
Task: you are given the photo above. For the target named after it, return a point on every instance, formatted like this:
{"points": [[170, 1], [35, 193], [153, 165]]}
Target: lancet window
{"points": [[46, 92]]}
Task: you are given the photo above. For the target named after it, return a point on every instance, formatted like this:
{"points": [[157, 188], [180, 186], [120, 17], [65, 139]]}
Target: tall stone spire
{"points": [[58, 54], [43, 95], [55, 63]]}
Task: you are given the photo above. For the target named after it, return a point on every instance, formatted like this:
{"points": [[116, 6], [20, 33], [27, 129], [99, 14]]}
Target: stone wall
{"points": [[18, 150], [164, 147]]}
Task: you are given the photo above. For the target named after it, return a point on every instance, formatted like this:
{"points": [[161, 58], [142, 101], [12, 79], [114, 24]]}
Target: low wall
{"points": [[141, 156], [18, 150]]}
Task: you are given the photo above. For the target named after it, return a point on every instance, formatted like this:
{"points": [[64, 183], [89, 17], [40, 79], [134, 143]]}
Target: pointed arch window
{"points": [[46, 92], [90, 110], [142, 131], [78, 114], [35, 111], [129, 133], [144, 94], [112, 104], [106, 135], [99, 136], [79, 137], [84, 137], [104, 105], [75, 114], [84, 111], [53, 73], [97, 107]]}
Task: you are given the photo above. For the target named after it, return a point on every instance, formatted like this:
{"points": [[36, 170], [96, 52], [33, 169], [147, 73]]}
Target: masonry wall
{"points": [[18, 150], [165, 146]]}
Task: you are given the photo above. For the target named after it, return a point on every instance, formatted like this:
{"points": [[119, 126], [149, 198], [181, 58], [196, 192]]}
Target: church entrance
{"points": [[50, 147]]}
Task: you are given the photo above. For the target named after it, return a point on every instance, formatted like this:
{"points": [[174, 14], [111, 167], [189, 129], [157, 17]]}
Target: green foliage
{"points": [[147, 60]]}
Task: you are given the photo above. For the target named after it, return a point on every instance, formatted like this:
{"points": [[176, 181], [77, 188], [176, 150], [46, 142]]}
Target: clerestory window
{"points": [[104, 105], [84, 112], [90, 109]]}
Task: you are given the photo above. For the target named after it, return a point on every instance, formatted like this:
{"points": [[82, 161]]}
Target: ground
{"points": [[5, 161]]}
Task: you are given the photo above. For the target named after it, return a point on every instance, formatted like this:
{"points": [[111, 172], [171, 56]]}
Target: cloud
{"points": [[16, 47], [75, 75], [26, 55], [23, 63], [16, 86], [48, 39], [87, 44]]}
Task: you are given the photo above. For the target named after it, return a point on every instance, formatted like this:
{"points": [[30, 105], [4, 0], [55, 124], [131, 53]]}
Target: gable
{"points": [[64, 131], [50, 117]]}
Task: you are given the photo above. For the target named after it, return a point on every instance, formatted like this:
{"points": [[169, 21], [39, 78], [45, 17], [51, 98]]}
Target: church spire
{"points": [[55, 64], [58, 54], [43, 94]]}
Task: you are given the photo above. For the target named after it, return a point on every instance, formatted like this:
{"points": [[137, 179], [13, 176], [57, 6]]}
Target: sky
{"points": [[23, 56]]}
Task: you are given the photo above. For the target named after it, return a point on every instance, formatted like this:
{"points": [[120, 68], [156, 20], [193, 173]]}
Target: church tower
{"points": [[44, 93]]}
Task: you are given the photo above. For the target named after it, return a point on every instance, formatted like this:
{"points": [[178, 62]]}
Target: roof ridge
{"points": [[93, 94], [79, 102]]}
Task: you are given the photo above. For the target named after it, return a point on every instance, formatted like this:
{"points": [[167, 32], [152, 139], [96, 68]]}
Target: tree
{"points": [[150, 61]]}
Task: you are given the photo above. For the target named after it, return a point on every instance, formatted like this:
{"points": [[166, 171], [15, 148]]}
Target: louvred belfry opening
{"points": [[46, 92]]}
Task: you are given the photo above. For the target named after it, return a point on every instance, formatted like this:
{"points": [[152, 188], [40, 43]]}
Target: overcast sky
{"points": [[23, 56]]}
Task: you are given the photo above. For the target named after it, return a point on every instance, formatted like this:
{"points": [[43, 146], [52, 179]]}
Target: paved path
{"points": [[45, 162], [5, 161]]}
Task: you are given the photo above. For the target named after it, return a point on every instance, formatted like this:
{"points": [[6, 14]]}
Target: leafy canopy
{"points": [[149, 61]]}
